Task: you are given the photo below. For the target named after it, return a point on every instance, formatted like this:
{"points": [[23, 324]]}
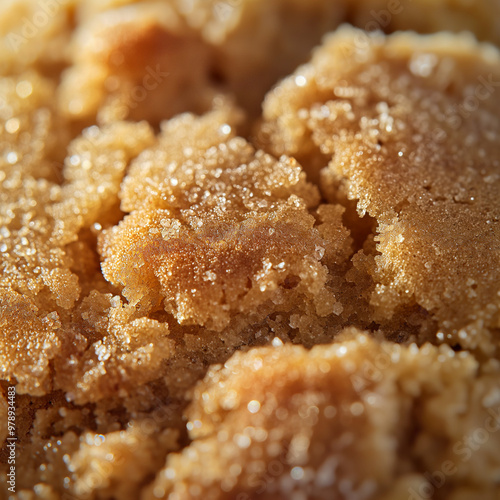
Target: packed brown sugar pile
{"points": [[248, 252]]}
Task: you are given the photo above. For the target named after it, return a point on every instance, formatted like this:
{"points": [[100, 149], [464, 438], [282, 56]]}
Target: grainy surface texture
{"points": [[218, 281]]}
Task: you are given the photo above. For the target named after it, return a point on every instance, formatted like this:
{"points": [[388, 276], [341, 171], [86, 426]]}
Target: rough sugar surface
{"points": [[189, 313], [129, 61], [408, 127], [214, 232], [282, 421]]}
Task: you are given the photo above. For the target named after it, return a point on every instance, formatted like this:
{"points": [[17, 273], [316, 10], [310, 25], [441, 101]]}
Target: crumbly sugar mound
{"points": [[217, 230], [409, 125], [335, 422], [107, 356], [40, 220], [90, 347], [217, 37], [129, 63]]}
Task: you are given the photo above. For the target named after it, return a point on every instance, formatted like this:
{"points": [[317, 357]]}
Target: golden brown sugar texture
{"points": [[128, 59], [125, 351], [39, 232], [336, 422], [216, 233], [76, 337], [409, 129], [157, 268], [130, 63], [125, 58], [260, 220], [35, 280]]}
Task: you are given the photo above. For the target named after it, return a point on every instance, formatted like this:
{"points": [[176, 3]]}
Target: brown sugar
{"points": [[393, 124], [128, 58], [40, 218], [201, 297], [129, 63], [218, 232], [334, 422]]}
